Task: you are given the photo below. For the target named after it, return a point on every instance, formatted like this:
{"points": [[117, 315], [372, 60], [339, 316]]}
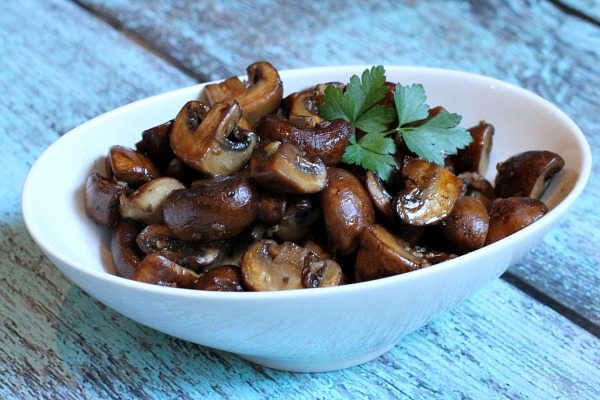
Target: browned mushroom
{"points": [[380, 196], [478, 187], [466, 228], [101, 200], [260, 96], [126, 255], [158, 238], [282, 167], [326, 140], [347, 210], [155, 144], [321, 273], [267, 265], [129, 166], [159, 270], [212, 209], [383, 254], [146, 203], [224, 278], [511, 214], [271, 208], [214, 143], [299, 217], [303, 106], [527, 174], [475, 157], [429, 193]]}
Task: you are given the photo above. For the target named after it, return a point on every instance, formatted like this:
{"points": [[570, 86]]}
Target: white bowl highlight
{"points": [[310, 329]]}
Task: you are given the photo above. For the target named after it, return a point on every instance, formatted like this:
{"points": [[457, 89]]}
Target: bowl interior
{"points": [[52, 196]]}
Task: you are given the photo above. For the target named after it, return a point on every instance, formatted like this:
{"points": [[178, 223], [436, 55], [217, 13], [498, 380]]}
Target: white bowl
{"points": [[310, 329]]}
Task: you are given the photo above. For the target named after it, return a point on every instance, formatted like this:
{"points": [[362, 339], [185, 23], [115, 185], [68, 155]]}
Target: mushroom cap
{"points": [[283, 168], [224, 278], [347, 210], [101, 200], [475, 157], [129, 166], [212, 209], [159, 270], [511, 214], [466, 228], [126, 255], [383, 254], [429, 193], [326, 140], [204, 139], [146, 203], [527, 174]]}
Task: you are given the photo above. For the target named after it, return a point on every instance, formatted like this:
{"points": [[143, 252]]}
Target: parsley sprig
{"points": [[360, 105]]}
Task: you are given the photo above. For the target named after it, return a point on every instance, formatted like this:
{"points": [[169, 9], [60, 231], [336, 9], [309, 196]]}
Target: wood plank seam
{"points": [[575, 12], [549, 302], [140, 41]]}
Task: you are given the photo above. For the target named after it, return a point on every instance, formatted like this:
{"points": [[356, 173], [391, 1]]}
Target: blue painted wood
{"points": [[532, 44], [61, 66], [589, 8]]}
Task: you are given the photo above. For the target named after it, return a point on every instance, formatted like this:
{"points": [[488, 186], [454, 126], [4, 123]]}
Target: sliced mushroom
{"points": [[321, 273], [129, 166], [285, 169], [271, 208], [224, 278], [383, 254], [435, 256], [299, 217], [347, 210], [212, 209], [303, 105], [146, 203], [380, 196], [475, 157], [267, 265], [326, 140], [215, 143], [429, 193], [158, 238], [466, 228], [478, 187], [511, 214], [260, 96], [101, 200], [126, 255], [159, 270], [155, 144], [527, 174]]}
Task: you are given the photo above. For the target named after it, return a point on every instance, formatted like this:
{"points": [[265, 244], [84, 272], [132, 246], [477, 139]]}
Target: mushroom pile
{"points": [[244, 190]]}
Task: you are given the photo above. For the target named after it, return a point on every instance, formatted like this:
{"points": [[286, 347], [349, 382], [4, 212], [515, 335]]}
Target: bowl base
{"points": [[317, 365]]}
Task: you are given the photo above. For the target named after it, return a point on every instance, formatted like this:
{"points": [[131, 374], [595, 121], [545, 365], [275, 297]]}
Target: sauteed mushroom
{"points": [[321, 273], [271, 208], [224, 278], [217, 142], [129, 166], [383, 254], [347, 210], [466, 228], [475, 157], [212, 209], [380, 196], [299, 216], [511, 214], [478, 187], [527, 174], [155, 144], [429, 193], [126, 255], [159, 270], [146, 203], [282, 167], [101, 200], [326, 140], [260, 96]]}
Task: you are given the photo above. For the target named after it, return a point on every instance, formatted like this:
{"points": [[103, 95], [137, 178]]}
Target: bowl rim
{"points": [[128, 284]]}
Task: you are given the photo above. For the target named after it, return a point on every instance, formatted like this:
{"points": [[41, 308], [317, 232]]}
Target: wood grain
{"points": [[61, 66], [532, 44]]}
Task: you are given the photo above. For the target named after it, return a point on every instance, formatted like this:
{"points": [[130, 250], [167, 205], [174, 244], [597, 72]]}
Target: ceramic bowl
{"points": [[309, 329]]}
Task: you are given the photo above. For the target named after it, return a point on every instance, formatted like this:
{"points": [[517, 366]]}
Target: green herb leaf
{"points": [[359, 103], [373, 152], [437, 137], [410, 103]]}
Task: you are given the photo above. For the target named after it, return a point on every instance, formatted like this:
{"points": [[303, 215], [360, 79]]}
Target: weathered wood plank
{"points": [[535, 45], [586, 8]]}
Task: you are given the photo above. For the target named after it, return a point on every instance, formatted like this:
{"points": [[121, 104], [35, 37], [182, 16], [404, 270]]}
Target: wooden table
{"points": [[534, 333]]}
